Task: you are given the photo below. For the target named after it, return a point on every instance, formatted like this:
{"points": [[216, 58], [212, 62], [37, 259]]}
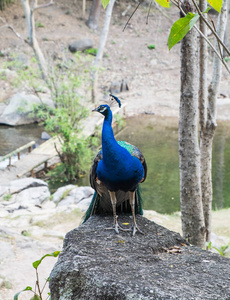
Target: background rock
{"points": [[98, 264], [81, 45], [19, 108]]}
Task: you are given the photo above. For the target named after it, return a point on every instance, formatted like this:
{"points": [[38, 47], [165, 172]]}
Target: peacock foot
{"points": [[117, 227], [136, 229]]}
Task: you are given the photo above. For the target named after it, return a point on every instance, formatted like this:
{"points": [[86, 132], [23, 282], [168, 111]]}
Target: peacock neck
{"points": [[109, 144]]}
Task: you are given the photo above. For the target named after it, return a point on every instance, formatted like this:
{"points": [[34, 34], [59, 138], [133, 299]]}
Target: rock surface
{"points": [[98, 264], [81, 45], [17, 112]]}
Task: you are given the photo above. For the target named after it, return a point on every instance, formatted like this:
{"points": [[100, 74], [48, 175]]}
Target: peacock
{"points": [[115, 175]]}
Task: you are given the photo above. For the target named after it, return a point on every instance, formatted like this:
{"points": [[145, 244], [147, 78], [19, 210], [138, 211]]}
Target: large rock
{"points": [[75, 196], [99, 264], [23, 193], [18, 111], [81, 45]]}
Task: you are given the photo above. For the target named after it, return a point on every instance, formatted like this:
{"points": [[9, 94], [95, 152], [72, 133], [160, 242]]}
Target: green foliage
{"points": [[91, 51], [216, 4], [40, 25], [220, 250], [181, 27], [163, 3], [38, 262], [151, 47], [7, 197], [68, 85], [105, 3], [37, 295]]}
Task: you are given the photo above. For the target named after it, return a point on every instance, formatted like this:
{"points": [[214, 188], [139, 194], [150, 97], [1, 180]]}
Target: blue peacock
{"points": [[115, 175]]}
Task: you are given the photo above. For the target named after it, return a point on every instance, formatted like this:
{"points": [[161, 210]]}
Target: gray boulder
{"points": [[81, 45], [18, 111], [69, 195], [24, 193], [99, 264]]}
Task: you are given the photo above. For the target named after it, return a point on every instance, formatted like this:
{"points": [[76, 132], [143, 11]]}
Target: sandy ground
{"points": [[153, 78]]}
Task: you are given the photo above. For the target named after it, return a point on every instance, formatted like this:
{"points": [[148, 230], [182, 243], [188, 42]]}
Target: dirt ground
{"points": [[153, 78]]}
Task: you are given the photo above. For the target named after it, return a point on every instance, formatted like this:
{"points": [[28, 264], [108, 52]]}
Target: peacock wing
{"points": [[134, 151], [94, 181]]}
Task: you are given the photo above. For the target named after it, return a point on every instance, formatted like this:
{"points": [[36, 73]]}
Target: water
{"points": [[12, 138], [157, 138]]}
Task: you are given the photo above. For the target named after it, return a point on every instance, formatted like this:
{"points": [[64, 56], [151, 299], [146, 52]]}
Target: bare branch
{"points": [[44, 5], [203, 36], [12, 29], [132, 15], [210, 27]]}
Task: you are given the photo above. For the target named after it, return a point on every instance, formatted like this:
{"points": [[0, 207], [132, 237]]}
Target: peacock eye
{"points": [[102, 108]]}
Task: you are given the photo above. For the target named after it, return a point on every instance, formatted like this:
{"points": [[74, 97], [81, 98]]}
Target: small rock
{"points": [[45, 136], [81, 45], [62, 192]]}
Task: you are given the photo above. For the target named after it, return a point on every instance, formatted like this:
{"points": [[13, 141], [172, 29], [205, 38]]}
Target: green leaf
{"points": [[37, 262], [151, 47], [105, 3], [216, 4], [181, 27], [207, 10], [28, 288], [164, 3], [35, 297]]}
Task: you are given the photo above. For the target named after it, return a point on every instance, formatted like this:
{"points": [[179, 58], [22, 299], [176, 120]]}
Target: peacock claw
{"points": [[117, 227], [136, 229]]}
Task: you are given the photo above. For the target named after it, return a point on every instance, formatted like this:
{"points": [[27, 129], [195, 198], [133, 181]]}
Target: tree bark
{"points": [[94, 15], [226, 32], [203, 91], [207, 134], [190, 189], [101, 47], [29, 15]]}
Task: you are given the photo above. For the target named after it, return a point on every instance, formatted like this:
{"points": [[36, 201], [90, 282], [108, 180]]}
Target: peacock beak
{"points": [[95, 109]]}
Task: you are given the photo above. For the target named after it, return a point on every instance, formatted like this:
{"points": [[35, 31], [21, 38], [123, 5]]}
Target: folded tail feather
{"points": [[101, 204]]}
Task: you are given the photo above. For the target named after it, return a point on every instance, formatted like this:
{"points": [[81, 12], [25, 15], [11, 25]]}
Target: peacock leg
{"points": [[114, 203], [132, 204]]}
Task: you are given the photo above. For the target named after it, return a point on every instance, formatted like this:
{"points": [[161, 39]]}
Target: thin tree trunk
{"points": [[203, 90], [226, 32], [29, 15], [94, 15], [101, 47], [218, 170], [208, 131], [190, 188]]}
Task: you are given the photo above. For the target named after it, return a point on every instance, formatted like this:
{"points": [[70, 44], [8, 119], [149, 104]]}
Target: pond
{"points": [[157, 138], [12, 138]]}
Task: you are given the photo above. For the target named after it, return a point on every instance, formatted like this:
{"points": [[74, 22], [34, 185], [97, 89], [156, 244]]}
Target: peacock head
{"points": [[104, 109]]}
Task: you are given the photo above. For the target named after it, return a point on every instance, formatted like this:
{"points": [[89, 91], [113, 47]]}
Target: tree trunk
{"points": [[203, 91], [226, 32], [190, 188], [94, 15], [101, 47], [207, 134], [29, 15]]}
